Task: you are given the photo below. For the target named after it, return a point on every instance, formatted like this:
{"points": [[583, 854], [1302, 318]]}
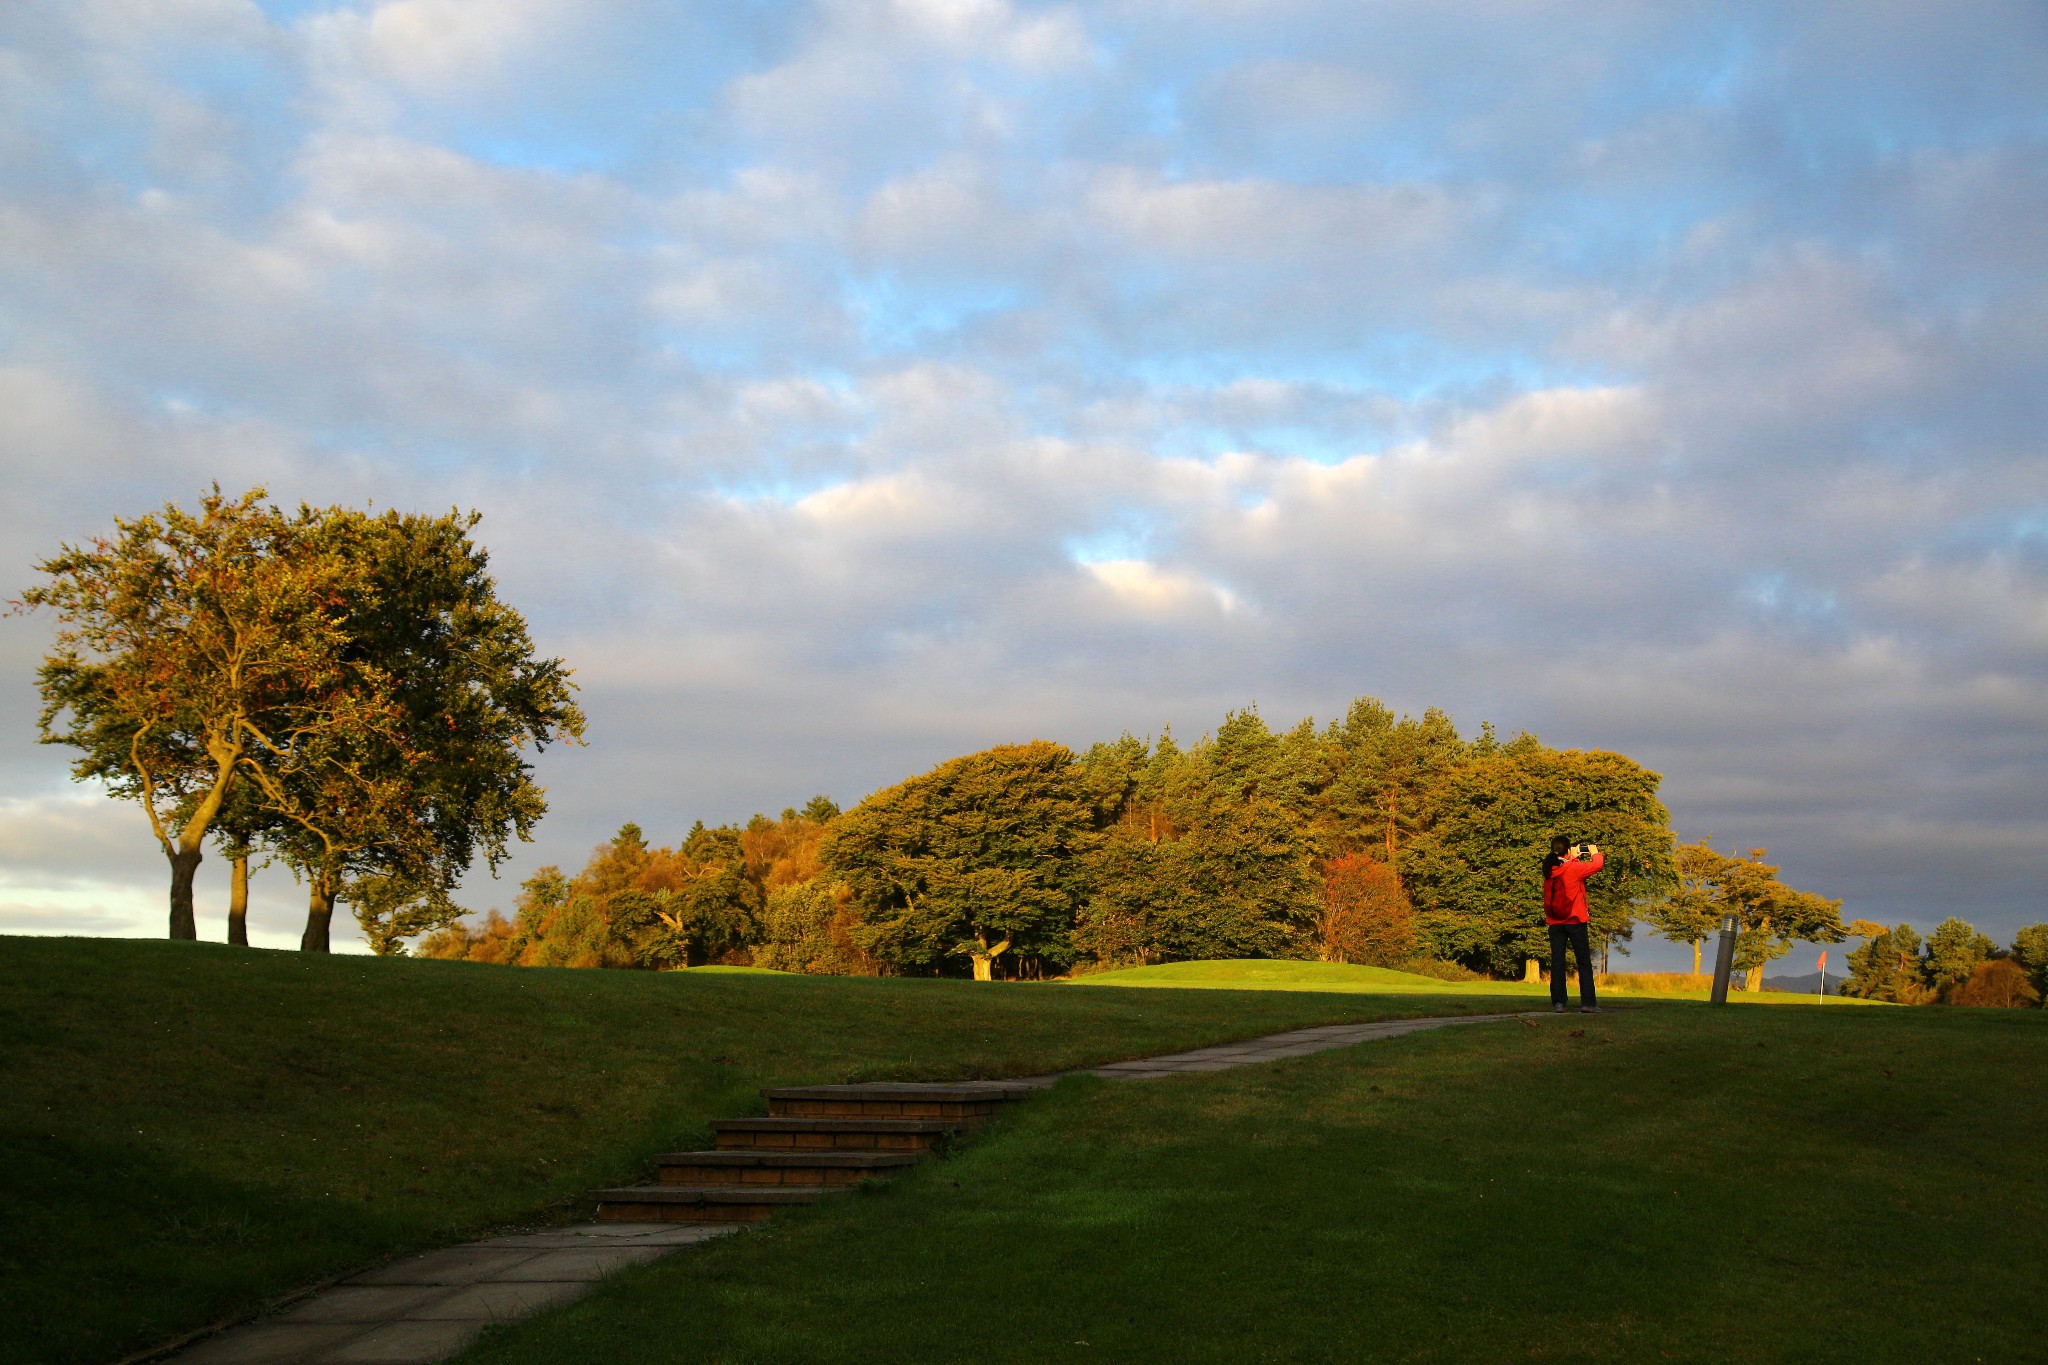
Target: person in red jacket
{"points": [[1565, 872]]}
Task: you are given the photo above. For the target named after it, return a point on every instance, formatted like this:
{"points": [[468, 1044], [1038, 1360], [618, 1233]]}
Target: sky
{"points": [[849, 385]]}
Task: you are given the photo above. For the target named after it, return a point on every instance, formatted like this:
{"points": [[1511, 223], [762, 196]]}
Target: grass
{"points": [[1250, 975], [187, 1130], [1655, 1183], [1342, 977]]}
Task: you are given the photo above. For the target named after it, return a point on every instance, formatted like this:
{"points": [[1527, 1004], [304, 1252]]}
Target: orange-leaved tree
{"points": [[1998, 984], [1366, 919]]}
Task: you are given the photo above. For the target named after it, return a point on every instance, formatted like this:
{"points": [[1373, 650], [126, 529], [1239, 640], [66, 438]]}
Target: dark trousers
{"points": [[1575, 935]]}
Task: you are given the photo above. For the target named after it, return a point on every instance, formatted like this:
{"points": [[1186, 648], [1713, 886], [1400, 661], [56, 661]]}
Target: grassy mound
{"points": [[1253, 974], [189, 1129], [1660, 1184], [1259, 974]]}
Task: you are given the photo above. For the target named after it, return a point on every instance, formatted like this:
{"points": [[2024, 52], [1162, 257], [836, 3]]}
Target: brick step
{"points": [[754, 1168], [973, 1100], [838, 1134], [702, 1204]]}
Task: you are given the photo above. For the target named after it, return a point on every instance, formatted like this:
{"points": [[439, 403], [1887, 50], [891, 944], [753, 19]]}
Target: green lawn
{"points": [[1259, 975], [1338, 976], [1664, 1182], [187, 1130]]}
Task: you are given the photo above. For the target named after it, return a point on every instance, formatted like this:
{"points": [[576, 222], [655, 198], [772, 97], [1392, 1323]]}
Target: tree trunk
{"points": [[238, 901], [319, 913], [1756, 979], [1532, 970], [184, 864], [983, 956], [1696, 955]]}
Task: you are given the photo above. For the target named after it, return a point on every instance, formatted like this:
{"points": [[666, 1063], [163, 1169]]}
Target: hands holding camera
{"points": [[1585, 850]]}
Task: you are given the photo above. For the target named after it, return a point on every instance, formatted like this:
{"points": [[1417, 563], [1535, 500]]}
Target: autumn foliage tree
{"points": [[1366, 919], [1999, 983]]}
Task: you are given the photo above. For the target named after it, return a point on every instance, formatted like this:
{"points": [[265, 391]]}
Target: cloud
{"points": [[846, 385], [1151, 592]]}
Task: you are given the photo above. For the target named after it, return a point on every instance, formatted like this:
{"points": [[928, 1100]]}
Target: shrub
{"points": [[1441, 970]]}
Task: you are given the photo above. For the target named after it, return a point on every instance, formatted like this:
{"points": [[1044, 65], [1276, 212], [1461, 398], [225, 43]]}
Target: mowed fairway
{"points": [[1275, 975], [1664, 1182], [187, 1130]]}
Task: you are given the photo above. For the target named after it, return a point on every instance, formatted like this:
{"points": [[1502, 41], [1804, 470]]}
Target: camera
{"points": [[1582, 850]]}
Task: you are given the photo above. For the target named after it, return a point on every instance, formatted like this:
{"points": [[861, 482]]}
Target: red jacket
{"points": [[1564, 890]]}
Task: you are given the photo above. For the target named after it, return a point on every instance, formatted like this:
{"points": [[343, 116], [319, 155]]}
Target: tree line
{"points": [[344, 691], [1957, 964], [1379, 839], [337, 689]]}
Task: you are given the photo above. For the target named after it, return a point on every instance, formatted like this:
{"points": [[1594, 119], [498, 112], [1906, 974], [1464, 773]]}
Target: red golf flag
{"points": [[1823, 959]]}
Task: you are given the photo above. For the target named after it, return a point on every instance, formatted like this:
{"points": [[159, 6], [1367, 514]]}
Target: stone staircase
{"points": [[815, 1140]]}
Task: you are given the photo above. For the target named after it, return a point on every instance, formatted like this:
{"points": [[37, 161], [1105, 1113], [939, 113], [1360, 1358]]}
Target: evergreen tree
{"points": [[1887, 966], [1953, 951], [2030, 951], [1476, 874]]}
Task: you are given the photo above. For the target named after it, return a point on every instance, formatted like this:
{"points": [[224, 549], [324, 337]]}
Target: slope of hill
{"points": [[188, 1129], [1664, 1183]]}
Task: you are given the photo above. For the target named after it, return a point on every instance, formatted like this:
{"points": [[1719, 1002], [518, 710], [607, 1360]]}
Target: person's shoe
{"points": [[1557, 1009], [1585, 1009]]}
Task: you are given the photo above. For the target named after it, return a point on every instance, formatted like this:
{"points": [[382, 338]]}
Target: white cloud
{"points": [[1152, 591]]}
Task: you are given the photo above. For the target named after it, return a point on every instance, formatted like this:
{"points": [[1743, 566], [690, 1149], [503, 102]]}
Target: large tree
{"points": [[1209, 851], [979, 857], [182, 639], [1689, 912], [1954, 951], [1384, 772], [1476, 874], [1887, 966], [2030, 950], [429, 772], [1771, 915]]}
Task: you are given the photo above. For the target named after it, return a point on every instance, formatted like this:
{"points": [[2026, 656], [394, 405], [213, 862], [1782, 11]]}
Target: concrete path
{"points": [[429, 1307], [1299, 1043]]}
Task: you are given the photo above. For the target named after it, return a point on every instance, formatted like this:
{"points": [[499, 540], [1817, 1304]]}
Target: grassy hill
{"points": [[187, 1130], [1341, 977], [1260, 975], [1658, 1183]]}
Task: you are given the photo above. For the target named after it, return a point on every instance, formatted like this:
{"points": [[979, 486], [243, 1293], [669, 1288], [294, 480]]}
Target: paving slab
{"points": [[581, 1264], [450, 1265], [364, 1303], [404, 1342], [499, 1301], [614, 1235], [269, 1343]]}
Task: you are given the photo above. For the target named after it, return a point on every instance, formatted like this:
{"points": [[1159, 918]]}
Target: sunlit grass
{"points": [[1260, 975]]}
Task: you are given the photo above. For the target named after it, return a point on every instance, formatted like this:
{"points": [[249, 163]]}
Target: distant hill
{"points": [[1804, 985]]}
